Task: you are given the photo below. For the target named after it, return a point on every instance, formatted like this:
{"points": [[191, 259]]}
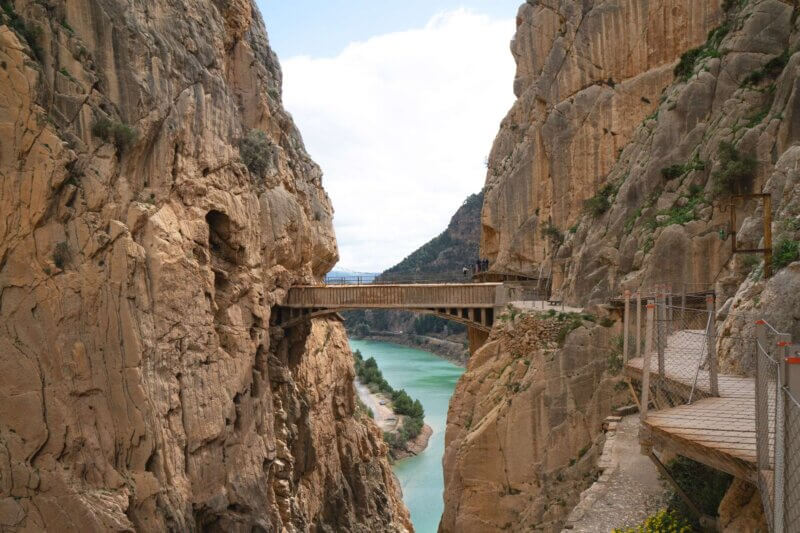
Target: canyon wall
{"points": [[524, 428], [587, 74], [635, 122], [156, 202]]}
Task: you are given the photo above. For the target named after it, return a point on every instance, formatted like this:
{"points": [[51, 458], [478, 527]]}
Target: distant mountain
{"points": [[451, 250], [342, 273], [447, 253]]}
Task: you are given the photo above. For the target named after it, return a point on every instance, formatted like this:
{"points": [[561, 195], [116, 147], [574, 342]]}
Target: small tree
{"points": [[256, 152], [736, 171]]}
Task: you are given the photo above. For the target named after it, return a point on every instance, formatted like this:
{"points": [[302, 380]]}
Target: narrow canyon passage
{"points": [[432, 380]]}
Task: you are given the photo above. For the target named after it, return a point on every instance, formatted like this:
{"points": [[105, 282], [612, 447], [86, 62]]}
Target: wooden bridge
{"points": [[472, 304]]}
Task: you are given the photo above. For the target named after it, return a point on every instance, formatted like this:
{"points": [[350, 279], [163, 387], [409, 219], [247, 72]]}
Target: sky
{"points": [[399, 103]]}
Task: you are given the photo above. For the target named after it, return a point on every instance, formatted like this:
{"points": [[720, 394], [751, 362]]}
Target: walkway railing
{"points": [[676, 367], [778, 427], [446, 277]]}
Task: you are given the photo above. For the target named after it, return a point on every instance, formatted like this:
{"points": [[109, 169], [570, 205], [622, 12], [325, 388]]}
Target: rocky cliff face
{"points": [[524, 426], [635, 122], [156, 202], [587, 74]]}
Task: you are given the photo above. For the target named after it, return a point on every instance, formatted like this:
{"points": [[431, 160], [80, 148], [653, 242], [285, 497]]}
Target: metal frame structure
{"points": [[767, 250]]}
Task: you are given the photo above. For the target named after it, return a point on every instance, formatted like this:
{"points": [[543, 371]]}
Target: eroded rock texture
{"points": [[587, 74], [141, 384], [524, 426], [602, 116]]}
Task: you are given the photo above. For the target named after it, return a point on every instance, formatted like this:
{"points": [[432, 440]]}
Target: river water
{"points": [[432, 380]]}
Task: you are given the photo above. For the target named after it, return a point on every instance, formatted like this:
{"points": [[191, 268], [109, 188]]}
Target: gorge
{"points": [[159, 212]]}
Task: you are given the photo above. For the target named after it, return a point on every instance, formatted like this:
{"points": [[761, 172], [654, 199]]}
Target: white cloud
{"points": [[401, 125]]}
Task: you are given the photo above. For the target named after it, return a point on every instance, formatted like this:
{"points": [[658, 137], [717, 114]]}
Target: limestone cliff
{"points": [[587, 74], [156, 201], [634, 123], [524, 425]]}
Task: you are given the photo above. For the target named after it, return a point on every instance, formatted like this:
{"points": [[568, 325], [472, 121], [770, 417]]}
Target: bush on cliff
{"points": [[255, 150], [119, 133], [736, 171]]}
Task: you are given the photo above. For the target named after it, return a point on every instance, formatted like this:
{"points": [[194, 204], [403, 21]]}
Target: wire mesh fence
{"points": [[791, 462], [767, 382], [777, 386], [681, 371]]}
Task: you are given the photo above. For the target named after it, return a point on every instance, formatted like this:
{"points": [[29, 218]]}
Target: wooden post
{"points": [[625, 326], [648, 347], [638, 323], [712, 347]]}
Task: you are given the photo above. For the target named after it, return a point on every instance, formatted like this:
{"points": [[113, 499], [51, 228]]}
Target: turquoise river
{"points": [[432, 380]]}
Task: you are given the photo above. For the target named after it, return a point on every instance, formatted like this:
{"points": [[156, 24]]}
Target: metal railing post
{"points": [[669, 309], [780, 432], [648, 348], [711, 337], [625, 326], [792, 367], [683, 303], [661, 337], [638, 323], [762, 407]]}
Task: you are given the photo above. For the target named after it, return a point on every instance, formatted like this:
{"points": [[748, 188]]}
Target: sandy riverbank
{"points": [[387, 420]]}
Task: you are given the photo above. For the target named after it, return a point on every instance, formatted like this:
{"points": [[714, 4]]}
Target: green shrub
{"points": [[614, 362], [771, 69], [30, 33], [606, 322], [672, 172], [736, 172], [600, 202], [663, 521], [571, 322], [119, 133], [676, 171], [255, 150], [685, 67], [681, 214], [785, 252], [631, 220], [553, 233]]}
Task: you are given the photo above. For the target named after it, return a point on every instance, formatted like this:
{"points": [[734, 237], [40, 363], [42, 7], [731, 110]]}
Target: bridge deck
{"points": [[397, 296], [716, 431], [472, 304]]}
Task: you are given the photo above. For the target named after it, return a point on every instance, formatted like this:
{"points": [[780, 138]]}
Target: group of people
{"points": [[480, 265]]}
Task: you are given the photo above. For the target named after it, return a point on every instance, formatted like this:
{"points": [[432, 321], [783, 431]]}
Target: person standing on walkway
{"points": [[465, 270]]}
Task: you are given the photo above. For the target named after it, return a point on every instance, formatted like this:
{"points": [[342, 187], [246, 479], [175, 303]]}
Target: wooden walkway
{"points": [[472, 304], [716, 431]]}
